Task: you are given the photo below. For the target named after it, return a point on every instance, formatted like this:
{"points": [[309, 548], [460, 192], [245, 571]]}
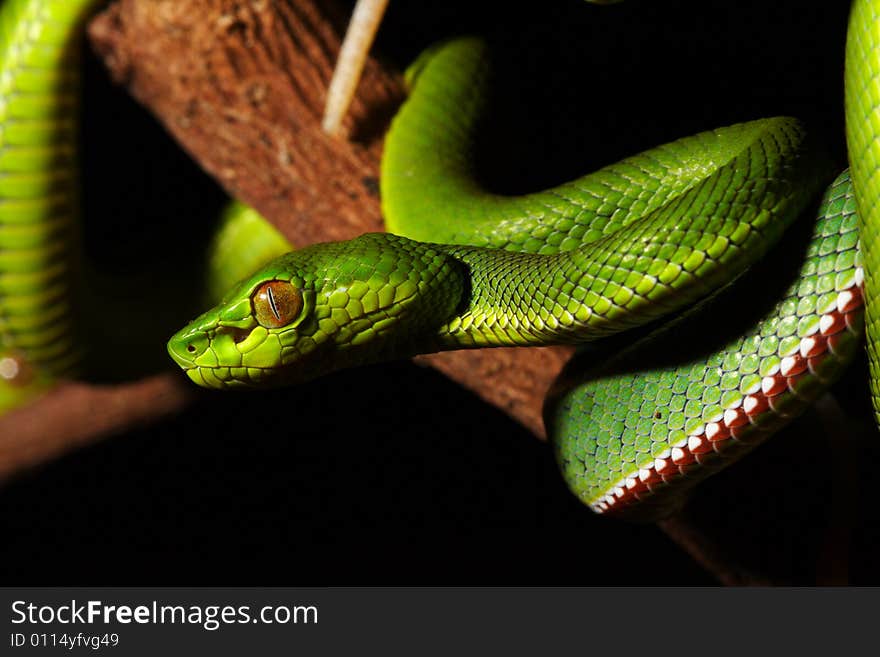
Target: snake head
{"points": [[320, 309]]}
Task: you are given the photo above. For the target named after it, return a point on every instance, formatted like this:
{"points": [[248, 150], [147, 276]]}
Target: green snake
{"points": [[639, 240], [612, 250]]}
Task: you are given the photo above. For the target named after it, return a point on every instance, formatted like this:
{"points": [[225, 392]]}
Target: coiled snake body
{"points": [[615, 249]]}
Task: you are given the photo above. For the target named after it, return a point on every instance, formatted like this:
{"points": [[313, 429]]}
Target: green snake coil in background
{"points": [[640, 429], [40, 45]]}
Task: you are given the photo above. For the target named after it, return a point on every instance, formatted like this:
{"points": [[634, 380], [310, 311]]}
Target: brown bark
{"points": [[77, 414], [241, 86]]}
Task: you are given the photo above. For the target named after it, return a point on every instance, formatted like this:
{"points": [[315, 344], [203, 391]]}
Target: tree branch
{"points": [[76, 414]]}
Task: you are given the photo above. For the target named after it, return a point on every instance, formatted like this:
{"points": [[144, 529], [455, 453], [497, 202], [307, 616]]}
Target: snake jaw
{"points": [[215, 355], [222, 349]]}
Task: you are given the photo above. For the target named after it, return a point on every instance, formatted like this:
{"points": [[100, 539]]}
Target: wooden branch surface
{"points": [[77, 414]]}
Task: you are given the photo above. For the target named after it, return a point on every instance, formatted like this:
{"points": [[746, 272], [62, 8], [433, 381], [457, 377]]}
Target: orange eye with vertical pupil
{"points": [[276, 304]]}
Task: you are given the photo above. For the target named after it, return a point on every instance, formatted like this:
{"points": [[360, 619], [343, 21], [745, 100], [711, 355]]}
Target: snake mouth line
{"points": [[217, 382], [737, 428]]}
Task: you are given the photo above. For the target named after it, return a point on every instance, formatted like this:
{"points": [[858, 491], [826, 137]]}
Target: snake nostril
{"points": [[186, 347]]}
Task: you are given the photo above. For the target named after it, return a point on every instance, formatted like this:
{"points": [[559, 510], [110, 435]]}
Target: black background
{"points": [[393, 474]]}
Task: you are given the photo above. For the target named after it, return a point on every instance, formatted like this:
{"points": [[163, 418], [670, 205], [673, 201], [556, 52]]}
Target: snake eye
{"points": [[276, 304]]}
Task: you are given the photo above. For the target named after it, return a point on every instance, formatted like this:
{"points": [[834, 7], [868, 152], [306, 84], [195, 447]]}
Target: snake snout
{"points": [[186, 346]]}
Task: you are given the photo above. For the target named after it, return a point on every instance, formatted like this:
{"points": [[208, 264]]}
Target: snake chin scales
{"points": [[320, 309]]}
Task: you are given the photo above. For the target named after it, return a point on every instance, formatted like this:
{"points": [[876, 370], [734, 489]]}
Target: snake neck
{"points": [[611, 250], [641, 267]]}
